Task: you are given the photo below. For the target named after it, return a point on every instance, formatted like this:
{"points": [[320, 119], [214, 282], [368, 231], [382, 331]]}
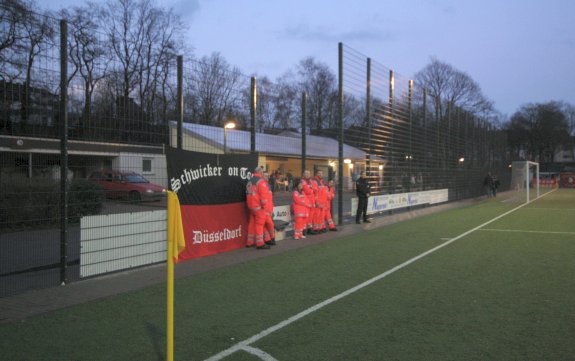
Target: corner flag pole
{"points": [[176, 243], [170, 295]]}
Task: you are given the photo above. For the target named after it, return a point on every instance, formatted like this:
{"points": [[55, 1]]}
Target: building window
{"points": [[146, 165]]}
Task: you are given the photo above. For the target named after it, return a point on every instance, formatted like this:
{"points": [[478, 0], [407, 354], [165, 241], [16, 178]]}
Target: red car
{"points": [[127, 185]]}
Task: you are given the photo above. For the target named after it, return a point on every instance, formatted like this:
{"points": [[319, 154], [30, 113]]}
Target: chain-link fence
{"points": [[83, 171]]}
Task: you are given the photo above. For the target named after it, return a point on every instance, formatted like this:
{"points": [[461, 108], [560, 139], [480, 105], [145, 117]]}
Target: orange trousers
{"points": [[309, 220], [328, 218], [299, 226], [269, 228], [256, 228], [319, 219]]}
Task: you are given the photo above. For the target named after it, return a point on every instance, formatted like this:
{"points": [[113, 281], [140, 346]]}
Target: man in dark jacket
{"points": [[488, 185], [362, 189]]}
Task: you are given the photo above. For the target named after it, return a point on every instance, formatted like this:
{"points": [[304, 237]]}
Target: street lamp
{"points": [[228, 125]]}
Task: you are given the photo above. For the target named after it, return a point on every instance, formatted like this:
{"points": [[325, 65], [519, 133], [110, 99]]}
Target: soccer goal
{"points": [[525, 179]]}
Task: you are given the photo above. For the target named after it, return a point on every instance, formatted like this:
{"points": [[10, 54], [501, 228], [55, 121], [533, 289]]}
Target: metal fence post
{"points": [[391, 157], [410, 119], [425, 139], [340, 140], [303, 130], [368, 120], [180, 100], [63, 151], [253, 104]]}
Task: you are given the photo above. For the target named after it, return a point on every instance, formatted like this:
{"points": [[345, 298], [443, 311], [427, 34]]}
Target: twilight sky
{"points": [[519, 51]]}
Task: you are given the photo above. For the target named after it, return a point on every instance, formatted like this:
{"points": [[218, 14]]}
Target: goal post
{"points": [[524, 178]]}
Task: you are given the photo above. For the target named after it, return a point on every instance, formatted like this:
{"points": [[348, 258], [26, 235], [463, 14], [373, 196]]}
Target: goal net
{"points": [[525, 180]]}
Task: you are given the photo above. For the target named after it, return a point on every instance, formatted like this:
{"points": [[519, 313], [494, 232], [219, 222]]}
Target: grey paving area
{"points": [[21, 306]]}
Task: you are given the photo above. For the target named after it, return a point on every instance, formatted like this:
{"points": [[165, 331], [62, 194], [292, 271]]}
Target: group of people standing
{"points": [[311, 208], [311, 204]]}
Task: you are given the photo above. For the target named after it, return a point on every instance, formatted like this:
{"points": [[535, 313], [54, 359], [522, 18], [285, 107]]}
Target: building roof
{"points": [[280, 145], [52, 146]]}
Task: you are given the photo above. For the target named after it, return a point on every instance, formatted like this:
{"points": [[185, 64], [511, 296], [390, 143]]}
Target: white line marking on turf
{"points": [[259, 353], [245, 343], [523, 231], [549, 209]]}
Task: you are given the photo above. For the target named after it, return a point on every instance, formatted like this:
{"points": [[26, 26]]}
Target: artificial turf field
{"points": [[493, 281]]}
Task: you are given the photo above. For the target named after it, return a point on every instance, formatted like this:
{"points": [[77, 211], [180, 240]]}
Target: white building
{"points": [[281, 153]]}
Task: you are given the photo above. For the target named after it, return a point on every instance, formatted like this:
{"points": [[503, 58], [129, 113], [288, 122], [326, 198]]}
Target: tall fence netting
{"points": [[409, 146], [60, 227]]}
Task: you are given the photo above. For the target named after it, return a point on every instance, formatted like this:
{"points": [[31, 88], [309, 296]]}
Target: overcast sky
{"points": [[519, 51]]}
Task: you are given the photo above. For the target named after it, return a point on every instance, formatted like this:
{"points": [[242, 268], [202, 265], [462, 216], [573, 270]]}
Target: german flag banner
{"points": [[211, 189]]}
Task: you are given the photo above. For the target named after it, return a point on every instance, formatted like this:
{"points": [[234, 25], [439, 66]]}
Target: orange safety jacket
{"points": [[308, 192], [330, 194], [321, 193], [257, 193], [299, 204], [314, 188], [269, 204]]}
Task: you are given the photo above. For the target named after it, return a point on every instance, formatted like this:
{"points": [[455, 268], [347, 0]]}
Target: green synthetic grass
{"points": [[495, 294]]}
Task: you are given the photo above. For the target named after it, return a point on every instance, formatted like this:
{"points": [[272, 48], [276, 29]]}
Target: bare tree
{"points": [[87, 53], [265, 107], [355, 113], [38, 30], [144, 40], [161, 42], [319, 82], [125, 35], [539, 130], [287, 102], [214, 89], [12, 14], [450, 88]]}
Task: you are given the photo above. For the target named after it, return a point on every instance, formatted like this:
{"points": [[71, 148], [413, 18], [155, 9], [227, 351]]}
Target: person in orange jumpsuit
{"points": [[256, 198], [330, 197], [269, 228], [310, 200], [300, 209], [320, 192]]}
